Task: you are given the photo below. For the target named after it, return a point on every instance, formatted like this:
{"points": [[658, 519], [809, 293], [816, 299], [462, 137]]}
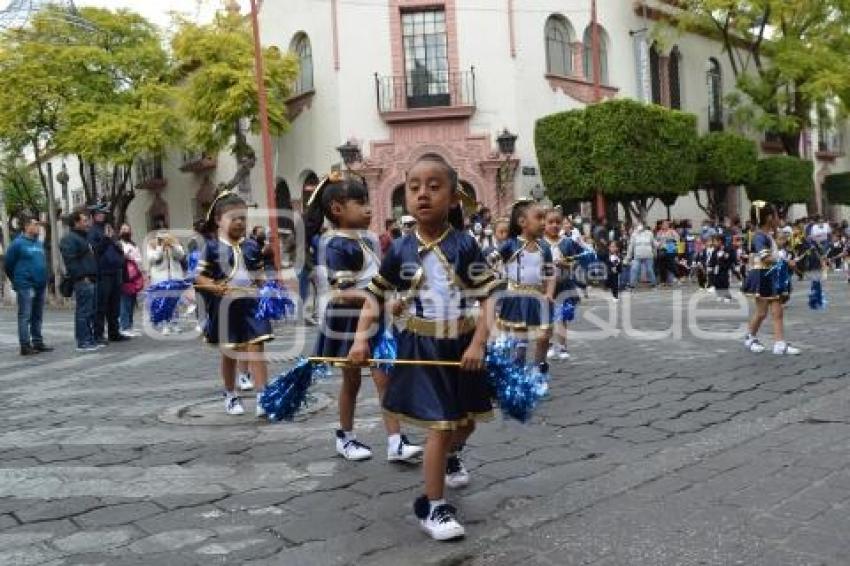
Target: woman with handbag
{"points": [[133, 282]]}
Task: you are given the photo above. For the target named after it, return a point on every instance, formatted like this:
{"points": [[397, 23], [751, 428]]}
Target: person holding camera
{"points": [[165, 257]]}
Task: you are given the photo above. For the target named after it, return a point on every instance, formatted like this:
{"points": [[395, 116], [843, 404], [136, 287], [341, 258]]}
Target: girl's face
{"points": [[533, 221], [553, 224], [352, 214], [502, 231], [429, 194], [231, 222], [613, 249]]}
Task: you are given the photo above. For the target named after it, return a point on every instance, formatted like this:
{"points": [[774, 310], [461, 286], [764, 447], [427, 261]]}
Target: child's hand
{"points": [[473, 358], [396, 307], [358, 356]]}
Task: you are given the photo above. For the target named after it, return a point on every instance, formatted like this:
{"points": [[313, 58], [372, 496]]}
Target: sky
{"points": [[158, 11]]}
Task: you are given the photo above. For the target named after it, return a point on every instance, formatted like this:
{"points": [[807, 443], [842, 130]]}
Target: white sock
{"points": [[435, 503], [393, 441], [349, 435], [779, 346], [230, 394]]}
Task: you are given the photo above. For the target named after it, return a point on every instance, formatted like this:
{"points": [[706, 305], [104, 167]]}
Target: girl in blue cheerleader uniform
{"points": [[346, 264], [766, 281], [526, 308], [440, 271], [566, 288], [229, 272]]}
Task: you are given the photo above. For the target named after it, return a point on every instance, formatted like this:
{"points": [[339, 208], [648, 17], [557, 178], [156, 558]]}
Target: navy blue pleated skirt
{"points": [[761, 283], [231, 323], [338, 330], [566, 289], [525, 312], [436, 397]]}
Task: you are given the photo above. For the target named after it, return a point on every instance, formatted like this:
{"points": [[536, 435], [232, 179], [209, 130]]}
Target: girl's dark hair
{"points": [[456, 212], [337, 190], [518, 211], [759, 216], [219, 205]]}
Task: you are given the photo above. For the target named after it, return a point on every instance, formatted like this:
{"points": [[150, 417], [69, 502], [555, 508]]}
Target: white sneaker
{"points": [[442, 524], [166, 331], [564, 355], [352, 449], [754, 346], [87, 349], [785, 349], [457, 475], [244, 382], [259, 410], [404, 452], [551, 353], [233, 406]]}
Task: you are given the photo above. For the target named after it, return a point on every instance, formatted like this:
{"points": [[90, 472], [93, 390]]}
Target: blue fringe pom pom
{"points": [[567, 313], [274, 302], [517, 388], [287, 393], [162, 299], [817, 300], [386, 349]]}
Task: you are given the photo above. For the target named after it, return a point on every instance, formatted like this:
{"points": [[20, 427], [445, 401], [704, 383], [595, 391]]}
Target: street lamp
{"points": [[507, 147], [350, 153], [63, 179]]}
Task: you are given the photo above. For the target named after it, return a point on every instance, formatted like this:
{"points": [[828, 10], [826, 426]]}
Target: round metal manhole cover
{"points": [[211, 412]]}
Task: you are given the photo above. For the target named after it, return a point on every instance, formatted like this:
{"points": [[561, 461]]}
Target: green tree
{"points": [[633, 153], [21, 188], [725, 159], [218, 90], [837, 188], [98, 91], [786, 55], [783, 181]]}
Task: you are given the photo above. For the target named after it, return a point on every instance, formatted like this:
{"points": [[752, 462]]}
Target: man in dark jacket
{"points": [[110, 266], [81, 268], [26, 267]]}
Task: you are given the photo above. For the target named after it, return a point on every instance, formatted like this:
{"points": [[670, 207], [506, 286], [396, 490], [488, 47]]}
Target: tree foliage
{"points": [[217, 89], [633, 153], [837, 188], [724, 160], [99, 91], [787, 56], [783, 181], [20, 187]]}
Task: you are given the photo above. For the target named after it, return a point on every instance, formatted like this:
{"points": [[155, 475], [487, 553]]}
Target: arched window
{"points": [[559, 53], [714, 78], [655, 74], [302, 49], [603, 54], [674, 65], [398, 203]]}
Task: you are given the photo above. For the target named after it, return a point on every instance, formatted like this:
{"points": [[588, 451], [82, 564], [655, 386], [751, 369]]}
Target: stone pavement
{"points": [[650, 450]]}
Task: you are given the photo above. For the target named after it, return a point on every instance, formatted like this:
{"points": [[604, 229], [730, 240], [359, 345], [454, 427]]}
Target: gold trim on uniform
{"points": [[444, 425], [523, 288], [521, 326], [442, 329], [233, 346]]}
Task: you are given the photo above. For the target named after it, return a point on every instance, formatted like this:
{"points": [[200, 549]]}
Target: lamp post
{"points": [[63, 179], [350, 153], [507, 147]]}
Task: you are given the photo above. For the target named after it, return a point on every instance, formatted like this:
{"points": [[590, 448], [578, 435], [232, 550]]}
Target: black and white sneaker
{"points": [[441, 522], [404, 452], [351, 449], [456, 474]]}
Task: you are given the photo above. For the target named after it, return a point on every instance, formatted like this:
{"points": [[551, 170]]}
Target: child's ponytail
{"points": [[518, 210], [333, 188]]}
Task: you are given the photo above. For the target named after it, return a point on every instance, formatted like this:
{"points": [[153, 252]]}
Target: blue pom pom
{"points": [[517, 388], [287, 393], [817, 299], [274, 302], [586, 259], [568, 311], [386, 349], [162, 299]]}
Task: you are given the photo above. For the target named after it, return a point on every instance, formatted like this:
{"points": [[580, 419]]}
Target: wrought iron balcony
{"points": [[423, 95], [149, 174]]}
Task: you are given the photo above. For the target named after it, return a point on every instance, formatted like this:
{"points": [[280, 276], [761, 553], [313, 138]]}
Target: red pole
{"points": [[265, 135], [597, 89]]}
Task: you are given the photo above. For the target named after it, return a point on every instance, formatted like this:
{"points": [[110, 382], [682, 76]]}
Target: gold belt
{"points": [[440, 328], [522, 287]]}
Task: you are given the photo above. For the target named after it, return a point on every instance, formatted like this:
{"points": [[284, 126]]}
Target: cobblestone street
{"points": [[650, 450]]}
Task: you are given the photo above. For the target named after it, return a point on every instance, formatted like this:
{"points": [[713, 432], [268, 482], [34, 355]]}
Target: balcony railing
{"points": [[830, 141], [421, 90], [149, 173]]}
